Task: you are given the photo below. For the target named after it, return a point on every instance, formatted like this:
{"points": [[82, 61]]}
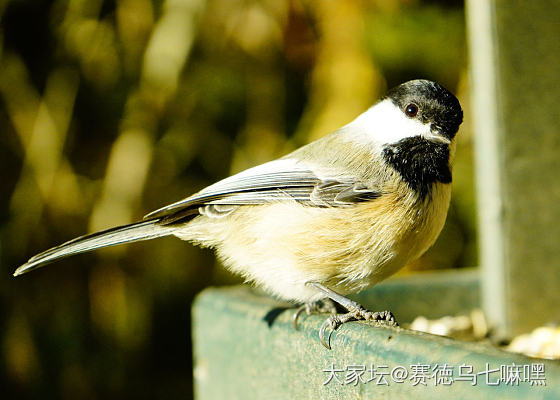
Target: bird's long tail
{"points": [[143, 230]]}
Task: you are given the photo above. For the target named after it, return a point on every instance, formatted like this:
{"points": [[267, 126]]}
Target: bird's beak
{"points": [[436, 136]]}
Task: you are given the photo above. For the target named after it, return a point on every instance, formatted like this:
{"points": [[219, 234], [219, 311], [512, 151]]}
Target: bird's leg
{"points": [[324, 306], [355, 312]]}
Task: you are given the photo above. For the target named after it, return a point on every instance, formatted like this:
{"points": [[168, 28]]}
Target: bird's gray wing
{"points": [[280, 180]]}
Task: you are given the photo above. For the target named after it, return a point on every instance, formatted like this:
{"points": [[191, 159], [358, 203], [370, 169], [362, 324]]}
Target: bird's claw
{"points": [[298, 312], [357, 314], [386, 317], [334, 321], [325, 306]]}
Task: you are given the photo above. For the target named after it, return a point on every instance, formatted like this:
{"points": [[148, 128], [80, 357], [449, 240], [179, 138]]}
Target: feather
{"points": [[144, 230], [282, 180]]}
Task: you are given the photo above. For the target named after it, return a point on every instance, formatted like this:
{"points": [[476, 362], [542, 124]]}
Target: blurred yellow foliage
{"points": [[112, 109]]}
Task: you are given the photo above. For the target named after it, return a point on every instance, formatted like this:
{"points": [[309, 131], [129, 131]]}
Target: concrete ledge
{"points": [[245, 347]]}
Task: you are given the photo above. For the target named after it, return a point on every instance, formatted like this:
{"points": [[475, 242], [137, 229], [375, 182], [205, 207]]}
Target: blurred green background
{"points": [[110, 109]]}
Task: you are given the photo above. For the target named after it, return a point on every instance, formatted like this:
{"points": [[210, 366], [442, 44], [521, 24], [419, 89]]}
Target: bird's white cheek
{"points": [[385, 123]]}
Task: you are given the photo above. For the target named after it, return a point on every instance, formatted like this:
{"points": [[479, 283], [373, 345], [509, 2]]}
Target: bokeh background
{"points": [[110, 109]]}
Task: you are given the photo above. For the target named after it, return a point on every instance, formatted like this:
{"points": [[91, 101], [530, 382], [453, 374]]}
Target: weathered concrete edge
{"points": [[244, 342]]}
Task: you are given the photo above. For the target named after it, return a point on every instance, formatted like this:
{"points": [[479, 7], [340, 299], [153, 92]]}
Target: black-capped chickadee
{"points": [[333, 217]]}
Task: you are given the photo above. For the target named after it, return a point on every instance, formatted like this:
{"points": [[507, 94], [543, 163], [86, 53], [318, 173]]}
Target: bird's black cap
{"points": [[436, 105]]}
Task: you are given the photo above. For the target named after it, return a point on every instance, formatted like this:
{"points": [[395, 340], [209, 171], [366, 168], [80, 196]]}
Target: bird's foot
{"points": [[356, 312], [324, 306]]}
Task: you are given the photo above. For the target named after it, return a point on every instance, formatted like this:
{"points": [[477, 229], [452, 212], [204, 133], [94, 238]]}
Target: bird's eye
{"points": [[411, 110]]}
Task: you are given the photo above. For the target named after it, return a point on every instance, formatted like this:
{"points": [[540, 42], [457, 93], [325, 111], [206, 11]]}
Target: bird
{"points": [[329, 219]]}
